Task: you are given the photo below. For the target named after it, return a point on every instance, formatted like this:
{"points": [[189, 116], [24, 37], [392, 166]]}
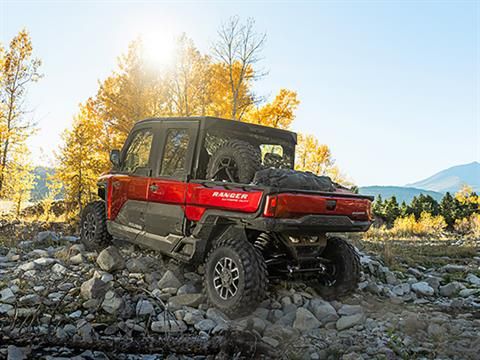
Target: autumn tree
{"points": [[188, 80], [80, 162], [238, 51], [280, 113], [18, 69], [19, 178], [133, 92]]}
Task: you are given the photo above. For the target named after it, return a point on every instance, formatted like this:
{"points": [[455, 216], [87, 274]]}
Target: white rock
{"points": [[305, 320], [323, 310], [93, 289], [450, 289], [59, 269], [110, 259], [31, 265], [169, 326], [144, 307], [169, 280], [348, 310], [473, 279], [346, 322], [422, 288], [401, 289], [44, 261], [7, 296], [112, 302]]}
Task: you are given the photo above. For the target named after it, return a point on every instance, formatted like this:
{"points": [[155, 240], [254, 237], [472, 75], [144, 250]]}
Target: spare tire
{"points": [[236, 161], [291, 179]]}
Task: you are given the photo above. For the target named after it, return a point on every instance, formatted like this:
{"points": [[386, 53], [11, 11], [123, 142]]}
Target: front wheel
{"points": [[342, 271], [93, 226], [235, 277]]}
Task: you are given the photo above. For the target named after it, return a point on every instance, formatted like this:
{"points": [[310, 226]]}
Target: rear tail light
{"points": [[270, 206]]}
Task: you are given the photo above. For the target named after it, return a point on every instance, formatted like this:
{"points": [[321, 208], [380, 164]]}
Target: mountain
{"points": [[452, 179], [401, 193]]}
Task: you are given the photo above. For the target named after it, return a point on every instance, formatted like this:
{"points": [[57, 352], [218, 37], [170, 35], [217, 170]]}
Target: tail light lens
{"points": [[270, 206]]}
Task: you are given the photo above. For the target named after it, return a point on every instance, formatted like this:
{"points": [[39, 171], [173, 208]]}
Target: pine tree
{"points": [[378, 207], [391, 210]]}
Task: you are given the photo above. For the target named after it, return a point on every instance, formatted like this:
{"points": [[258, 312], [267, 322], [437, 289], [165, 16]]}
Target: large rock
{"points": [[168, 326], [323, 310], [7, 296], [144, 307], [136, 266], [452, 268], [93, 289], [348, 310], [169, 280], [112, 303], [473, 279], [217, 316], [193, 317], [346, 322], [305, 320], [17, 353], [401, 289], [205, 325], [450, 289], [423, 288], [192, 300], [110, 259]]}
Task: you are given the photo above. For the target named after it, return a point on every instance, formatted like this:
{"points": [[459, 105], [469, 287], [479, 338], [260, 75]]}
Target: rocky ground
{"points": [[59, 301]]}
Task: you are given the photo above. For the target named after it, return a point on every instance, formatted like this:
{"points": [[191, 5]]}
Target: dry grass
{"points": [[399, 253]]}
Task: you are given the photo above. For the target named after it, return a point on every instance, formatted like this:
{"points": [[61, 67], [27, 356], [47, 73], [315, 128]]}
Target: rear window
{"points": [[274, 152]]}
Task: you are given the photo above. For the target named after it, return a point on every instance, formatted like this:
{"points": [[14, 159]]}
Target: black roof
{"points": [[208, 122]]}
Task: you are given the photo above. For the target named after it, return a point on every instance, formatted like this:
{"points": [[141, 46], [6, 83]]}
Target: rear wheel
{"points": [[93, 226], [342, 272], [235, 277]]}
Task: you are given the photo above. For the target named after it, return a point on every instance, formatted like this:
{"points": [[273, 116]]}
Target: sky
{"points": [[392, 87]]}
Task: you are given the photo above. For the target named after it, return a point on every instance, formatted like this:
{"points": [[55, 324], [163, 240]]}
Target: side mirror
{"points": [[115, 158]]}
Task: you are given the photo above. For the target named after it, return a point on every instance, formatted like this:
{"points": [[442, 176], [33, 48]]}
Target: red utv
{"points": [[224, 193]]}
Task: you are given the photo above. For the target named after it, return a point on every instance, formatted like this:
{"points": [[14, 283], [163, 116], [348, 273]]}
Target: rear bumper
{"points": [[311, 224]]}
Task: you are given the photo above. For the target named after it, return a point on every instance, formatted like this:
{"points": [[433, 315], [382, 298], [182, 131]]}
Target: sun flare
{"points": [[158, 49]]}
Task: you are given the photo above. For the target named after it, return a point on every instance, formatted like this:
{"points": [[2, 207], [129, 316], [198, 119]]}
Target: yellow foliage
{"points": [[19, 178], [466, 196], [280, 113], [17, 69], [427, 225], [469, 226], [83, 157]]}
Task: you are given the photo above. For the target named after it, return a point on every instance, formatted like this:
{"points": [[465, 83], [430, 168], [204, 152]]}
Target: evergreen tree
{"points": [[378, 207], [391, 210], [450, 208], [423, 203], [403, 209]]}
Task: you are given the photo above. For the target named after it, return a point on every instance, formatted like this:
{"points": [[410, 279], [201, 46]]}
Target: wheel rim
{"points": [[226, 278], [226, 170], [329, 278], [89, 227]]}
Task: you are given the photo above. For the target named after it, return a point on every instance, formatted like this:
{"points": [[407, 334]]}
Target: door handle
{"points": [[153, 187]]}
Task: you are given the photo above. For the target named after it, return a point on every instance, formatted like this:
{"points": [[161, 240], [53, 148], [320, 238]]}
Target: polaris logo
{"points": [[230, 196]]}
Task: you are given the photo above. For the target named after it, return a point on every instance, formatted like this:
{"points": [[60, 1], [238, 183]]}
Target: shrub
{"points": [[468, 226]]}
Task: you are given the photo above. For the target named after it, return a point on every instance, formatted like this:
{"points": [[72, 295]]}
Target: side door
{"points": [[130, 185], [167, 189]]}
